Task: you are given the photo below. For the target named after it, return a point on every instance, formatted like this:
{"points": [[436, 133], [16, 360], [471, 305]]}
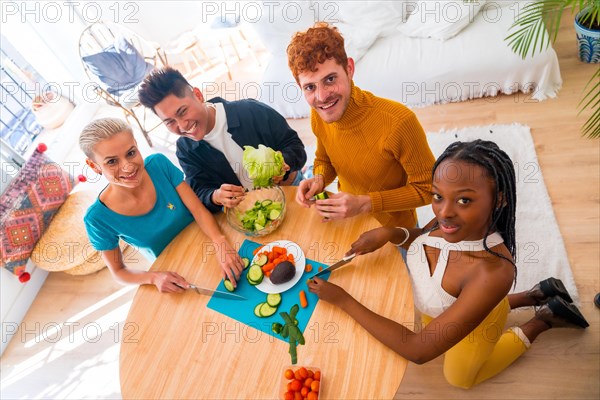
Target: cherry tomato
{"points": [[296, 385], [315, 386], [289, 374], [317, 376], [303, 372]]}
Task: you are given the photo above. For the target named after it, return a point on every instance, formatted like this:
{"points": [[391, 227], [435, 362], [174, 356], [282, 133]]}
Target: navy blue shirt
{"points": [[250, 123]]}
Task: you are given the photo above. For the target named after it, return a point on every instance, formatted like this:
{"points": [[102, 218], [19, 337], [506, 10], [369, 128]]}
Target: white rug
{"points": [[540, 248]]}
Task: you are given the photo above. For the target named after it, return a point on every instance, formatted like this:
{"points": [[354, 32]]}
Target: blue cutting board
{"points": [[243, 310]]}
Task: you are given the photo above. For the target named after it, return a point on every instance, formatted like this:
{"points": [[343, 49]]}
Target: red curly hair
{"points": [[315, 46]]}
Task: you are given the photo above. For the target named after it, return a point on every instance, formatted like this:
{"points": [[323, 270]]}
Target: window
{"points": [[19, 83], [18, 126]]}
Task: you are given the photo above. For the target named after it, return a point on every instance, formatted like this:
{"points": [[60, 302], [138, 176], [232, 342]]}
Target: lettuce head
{"points": [[262, 165]]}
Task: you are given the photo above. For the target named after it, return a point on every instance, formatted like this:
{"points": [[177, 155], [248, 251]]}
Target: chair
{"points": [[118, 60], [209, 46]]}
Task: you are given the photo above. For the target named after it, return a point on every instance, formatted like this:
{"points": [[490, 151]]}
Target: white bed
{"points": [[456, 64]]}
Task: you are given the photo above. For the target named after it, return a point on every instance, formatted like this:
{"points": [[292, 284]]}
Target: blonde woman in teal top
{"points": [[146, 203]]}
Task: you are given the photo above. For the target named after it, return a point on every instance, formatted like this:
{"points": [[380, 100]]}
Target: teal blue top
{"points": [[151, 232]]}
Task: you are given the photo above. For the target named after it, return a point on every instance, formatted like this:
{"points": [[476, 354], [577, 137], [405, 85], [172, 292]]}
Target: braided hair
{"points": [[498, 166]]}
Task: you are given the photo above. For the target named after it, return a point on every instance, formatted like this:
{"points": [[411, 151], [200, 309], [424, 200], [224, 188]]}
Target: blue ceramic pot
{"points": [[589, 41]]}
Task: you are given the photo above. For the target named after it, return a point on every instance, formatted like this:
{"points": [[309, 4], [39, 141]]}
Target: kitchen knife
{"points": [[217, 293], [335, 266]]}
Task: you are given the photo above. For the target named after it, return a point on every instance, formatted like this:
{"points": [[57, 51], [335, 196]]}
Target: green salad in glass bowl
{"points": [[260, 213]]}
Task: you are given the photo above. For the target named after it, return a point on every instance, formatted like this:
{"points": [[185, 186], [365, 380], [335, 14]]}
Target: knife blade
{"points": [[335, 266], [217, 293]]}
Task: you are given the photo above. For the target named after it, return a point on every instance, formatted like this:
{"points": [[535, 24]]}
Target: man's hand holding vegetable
{"points": [[337, 206]]}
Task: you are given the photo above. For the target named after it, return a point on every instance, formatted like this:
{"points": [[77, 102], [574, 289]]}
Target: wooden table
{"points": [[175, 347]]}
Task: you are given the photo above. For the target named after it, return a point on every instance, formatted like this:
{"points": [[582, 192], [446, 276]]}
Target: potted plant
{"points": [[529, 34]]}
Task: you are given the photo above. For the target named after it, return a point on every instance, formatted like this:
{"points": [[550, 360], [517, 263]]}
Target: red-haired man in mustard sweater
{"points": [[376, 147]]}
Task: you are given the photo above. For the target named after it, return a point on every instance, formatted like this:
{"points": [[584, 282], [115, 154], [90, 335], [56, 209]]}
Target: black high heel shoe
{"points": [[548, 288], [557, 313]]}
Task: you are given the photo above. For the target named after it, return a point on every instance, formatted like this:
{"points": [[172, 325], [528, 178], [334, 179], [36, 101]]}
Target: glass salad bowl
{"points": [[260, 213]]}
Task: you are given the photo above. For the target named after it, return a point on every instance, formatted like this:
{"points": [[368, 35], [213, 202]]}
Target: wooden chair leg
{"points": [[237, 53], [225, 59], [128, 113], [144, 131], [131, 114], [250, 49], [206, 57]]}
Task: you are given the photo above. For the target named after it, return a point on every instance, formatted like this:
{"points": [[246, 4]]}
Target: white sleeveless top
{"points": [[429, 296]]}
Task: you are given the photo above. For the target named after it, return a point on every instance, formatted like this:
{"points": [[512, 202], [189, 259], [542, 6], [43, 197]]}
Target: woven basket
{"points": [[65, 245], [94, 263]]}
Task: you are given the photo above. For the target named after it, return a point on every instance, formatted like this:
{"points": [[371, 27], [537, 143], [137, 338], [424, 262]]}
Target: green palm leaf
{"points": [[591, 100], [537, 26]]}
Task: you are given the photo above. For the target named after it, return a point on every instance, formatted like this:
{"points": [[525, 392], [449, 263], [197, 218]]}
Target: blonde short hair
{"points": [[100, 130]]}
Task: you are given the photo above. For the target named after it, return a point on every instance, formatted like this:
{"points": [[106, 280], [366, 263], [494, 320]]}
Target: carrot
{"points": [[303, 301], [268, 267], [257, 250], [320, 269], [279, 250], [308, 268], [280, 259], [290, 258]]}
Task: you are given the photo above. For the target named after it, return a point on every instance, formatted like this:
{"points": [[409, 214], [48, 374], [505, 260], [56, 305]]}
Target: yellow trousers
{"points": [[485, 352]]}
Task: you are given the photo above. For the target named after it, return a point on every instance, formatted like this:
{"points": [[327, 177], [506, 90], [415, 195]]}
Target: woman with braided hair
{"points": [[462, 268]]}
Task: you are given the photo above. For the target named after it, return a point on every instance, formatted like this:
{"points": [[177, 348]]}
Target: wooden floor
{"points": [[562, 364]]}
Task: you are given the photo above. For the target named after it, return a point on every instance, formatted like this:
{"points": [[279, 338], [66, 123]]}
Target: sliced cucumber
{"points": [[246, 262], [261, 260], [266, 310], [261, 219], [274, 214], [250, 281], [273, 299], [258, 227], [266, 203], [276, 327], [253, 283], [255, 274], [228, 285], [321, 196], [257, 309]]}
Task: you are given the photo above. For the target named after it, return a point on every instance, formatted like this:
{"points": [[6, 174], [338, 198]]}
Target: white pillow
{"points": [[361, 23], [439, 19], [277, 21]]}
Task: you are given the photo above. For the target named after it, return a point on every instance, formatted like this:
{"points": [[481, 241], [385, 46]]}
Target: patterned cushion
{"points": [[27, 207]]}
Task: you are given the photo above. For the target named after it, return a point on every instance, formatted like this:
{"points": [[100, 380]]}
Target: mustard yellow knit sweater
{"points": [[378, 148]]}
